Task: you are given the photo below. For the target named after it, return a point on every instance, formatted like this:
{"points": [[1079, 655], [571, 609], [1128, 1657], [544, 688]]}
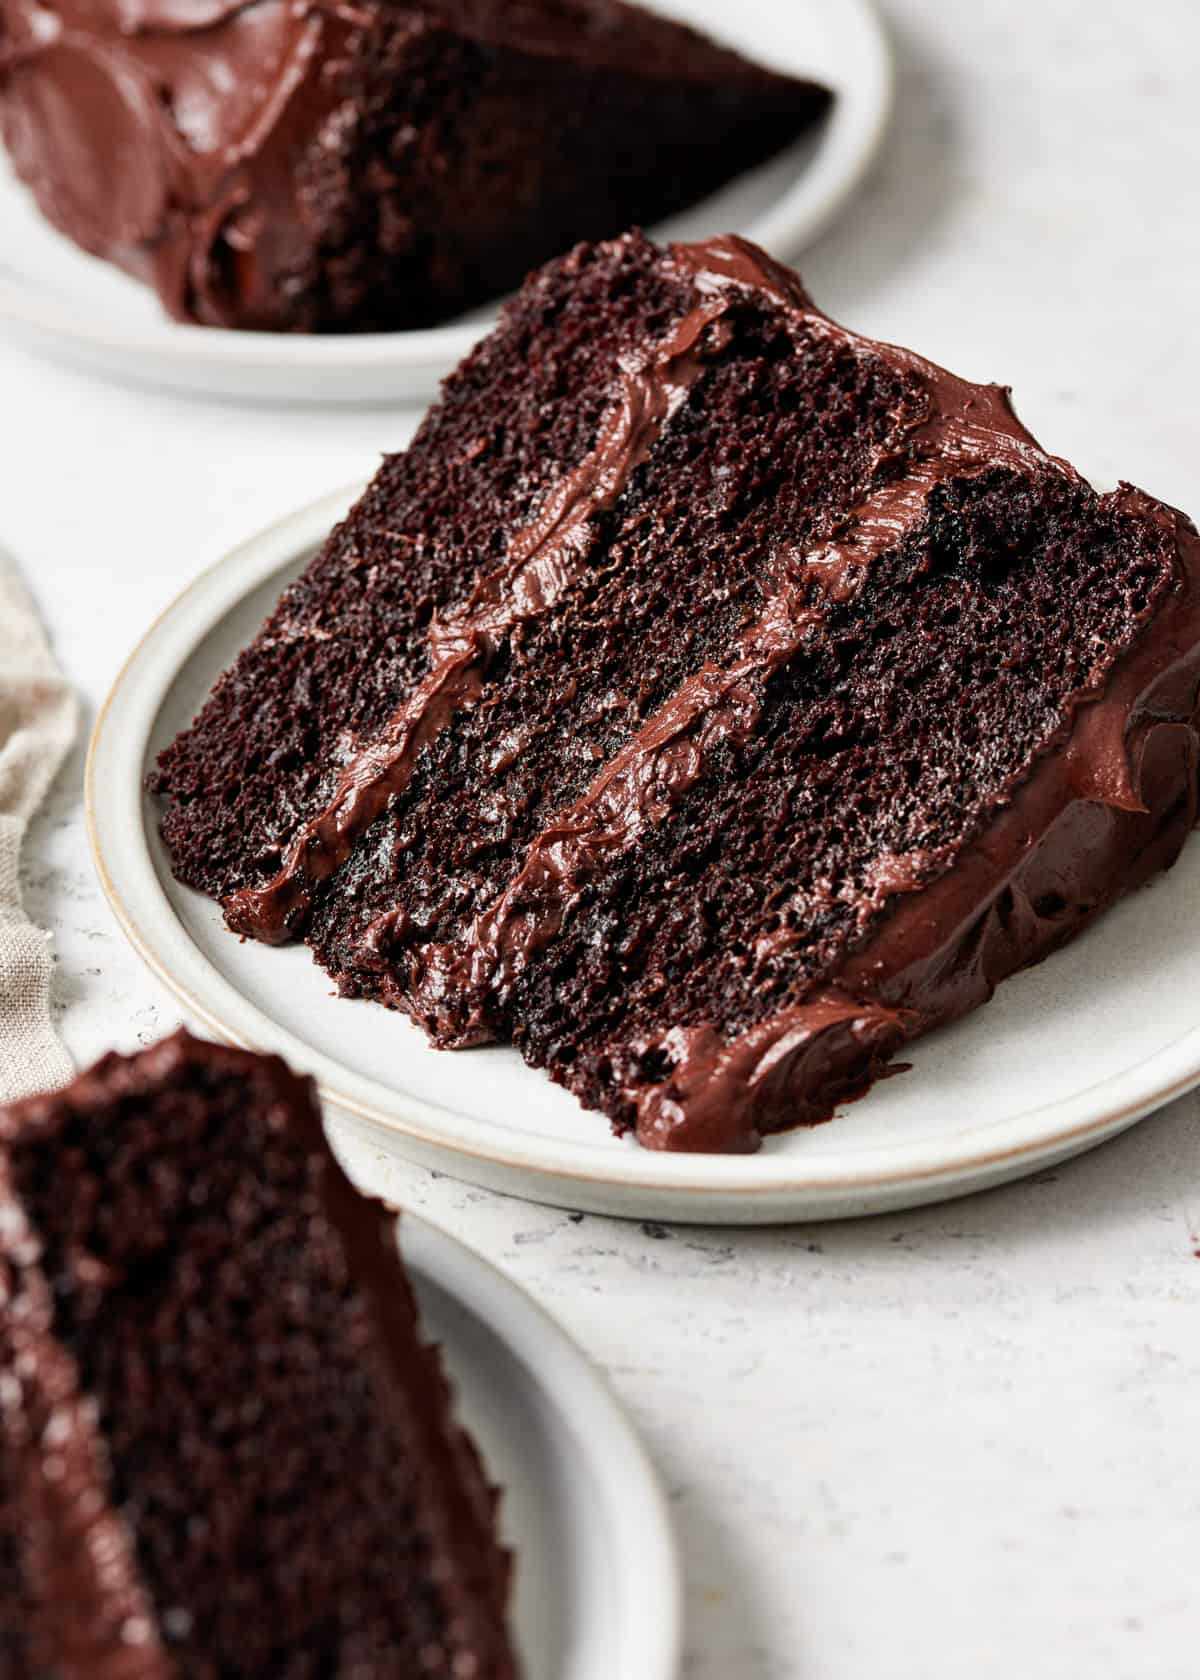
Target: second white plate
{"points": [[57, 300], [596, 1584], [1067, 1055]]}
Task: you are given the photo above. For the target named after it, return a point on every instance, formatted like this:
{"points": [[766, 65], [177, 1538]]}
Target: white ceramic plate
{"points": [[597, 1588], [56, 299], [1068, 1054]]}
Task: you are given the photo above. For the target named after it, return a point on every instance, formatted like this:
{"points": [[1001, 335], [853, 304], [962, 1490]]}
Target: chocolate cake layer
{"points": [[917, 809], [755, 750], [225, 1450], [671, 563], [317, 167], [349, 641]]}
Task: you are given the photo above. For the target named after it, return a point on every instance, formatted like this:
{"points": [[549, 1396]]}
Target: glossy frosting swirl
{"points": [[176, 163]]}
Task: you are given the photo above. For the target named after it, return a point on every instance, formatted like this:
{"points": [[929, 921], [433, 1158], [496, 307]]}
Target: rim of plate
{"points": [[851, 140], [591, 1409], [115, 810]]}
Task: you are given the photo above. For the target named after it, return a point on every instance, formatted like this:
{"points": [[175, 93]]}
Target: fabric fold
{"points": [[38, 721]]}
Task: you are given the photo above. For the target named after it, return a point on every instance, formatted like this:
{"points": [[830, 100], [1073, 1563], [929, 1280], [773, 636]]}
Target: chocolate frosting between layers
{"points": [[544, 561], [963, 429], [1108, 806], [965, 425], [448, 990], [1087, 820]]}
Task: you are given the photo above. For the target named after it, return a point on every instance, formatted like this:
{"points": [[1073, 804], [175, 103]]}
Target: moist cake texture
{"points": [[710, 701], [315, 167], [224, 1450]]}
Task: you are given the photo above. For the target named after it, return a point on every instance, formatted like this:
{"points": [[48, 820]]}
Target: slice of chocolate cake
{"points": [[224, 1449], [710, 701], [312, 167]]}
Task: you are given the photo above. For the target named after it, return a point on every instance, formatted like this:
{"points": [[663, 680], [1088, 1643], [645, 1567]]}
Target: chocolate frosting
{"points": [[637, 789], [167, 136], [1109, 802], [795, 1063], [163, 135], [88, 1615], [544, 561]]}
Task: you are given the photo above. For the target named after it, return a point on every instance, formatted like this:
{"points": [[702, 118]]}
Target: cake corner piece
{"points": [[200, 1313], [322, 168]]}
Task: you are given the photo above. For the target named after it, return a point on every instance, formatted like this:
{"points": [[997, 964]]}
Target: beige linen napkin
{"points": [[37, 726]]}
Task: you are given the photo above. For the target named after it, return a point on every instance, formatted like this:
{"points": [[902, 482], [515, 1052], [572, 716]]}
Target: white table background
{"points": [[958, 1442]]}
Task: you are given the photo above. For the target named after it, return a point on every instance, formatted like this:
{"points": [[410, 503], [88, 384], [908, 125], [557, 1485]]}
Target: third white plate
{"points": [[596, 1581], [58, 300]]}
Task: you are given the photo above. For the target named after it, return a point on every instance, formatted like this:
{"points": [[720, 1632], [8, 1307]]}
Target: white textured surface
{"points": [[958, 1442]]}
